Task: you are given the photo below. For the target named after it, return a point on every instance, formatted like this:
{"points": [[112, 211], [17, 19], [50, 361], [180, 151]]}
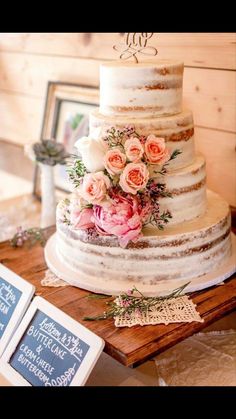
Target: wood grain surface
{"points": [[215, 50], [130, 346], [29, 60], [27, 75]]}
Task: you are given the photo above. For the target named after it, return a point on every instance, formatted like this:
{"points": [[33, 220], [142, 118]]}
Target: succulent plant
{"points": [[50, 152]]}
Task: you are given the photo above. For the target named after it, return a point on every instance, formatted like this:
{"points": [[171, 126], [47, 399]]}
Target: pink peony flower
{"points": [[82, 219], [134, 177], [94, 188], [134, 149], [114, 161], [155, 150], [122, 219]]}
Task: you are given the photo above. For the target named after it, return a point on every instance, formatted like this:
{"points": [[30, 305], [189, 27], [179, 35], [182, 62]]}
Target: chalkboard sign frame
{"points": [[95, 343], [27, 291]]}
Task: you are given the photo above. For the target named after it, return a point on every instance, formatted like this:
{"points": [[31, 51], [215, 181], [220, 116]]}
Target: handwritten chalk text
{"points": [[7, 294]]}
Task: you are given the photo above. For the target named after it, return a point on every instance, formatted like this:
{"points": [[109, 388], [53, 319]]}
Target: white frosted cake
{"points": [[140, 213]]}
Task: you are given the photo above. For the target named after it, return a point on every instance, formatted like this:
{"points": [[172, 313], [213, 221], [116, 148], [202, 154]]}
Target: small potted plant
{"points": [[47, 153]]}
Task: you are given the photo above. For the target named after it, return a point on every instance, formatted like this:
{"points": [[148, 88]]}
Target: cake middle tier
{"points": [[187, 187], [177, 130]]}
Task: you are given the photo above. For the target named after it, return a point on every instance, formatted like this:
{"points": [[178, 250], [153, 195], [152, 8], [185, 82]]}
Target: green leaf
{"points": [[175, 154]]}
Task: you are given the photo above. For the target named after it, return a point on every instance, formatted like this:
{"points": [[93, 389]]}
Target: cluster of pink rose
{"points": [[109, 197]]}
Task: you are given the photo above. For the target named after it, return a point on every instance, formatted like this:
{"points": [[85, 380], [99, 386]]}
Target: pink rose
{"points": [[80, 216], [134, 149], [134, 177], [114, 161], [155, 150], [94, 188], [121, 218], [82, 219]]}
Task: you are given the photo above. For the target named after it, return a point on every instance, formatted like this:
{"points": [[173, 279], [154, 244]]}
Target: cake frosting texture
{"points": [[196, 240], [182, 251], [148, 89], [187, 187]]}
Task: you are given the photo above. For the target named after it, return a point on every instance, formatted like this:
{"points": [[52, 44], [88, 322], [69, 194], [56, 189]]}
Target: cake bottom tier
{"points": [[180, 252]]}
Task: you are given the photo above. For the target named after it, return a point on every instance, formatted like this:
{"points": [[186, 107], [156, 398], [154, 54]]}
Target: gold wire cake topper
{"points": [[135, 43]]}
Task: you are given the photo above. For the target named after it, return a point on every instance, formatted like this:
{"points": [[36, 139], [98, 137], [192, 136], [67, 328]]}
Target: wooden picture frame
{"points": [[65, 100], [18, 290], [15, 351]]}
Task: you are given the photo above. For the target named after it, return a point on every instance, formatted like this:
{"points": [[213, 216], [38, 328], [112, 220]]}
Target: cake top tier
{"points": [[147, 89]]}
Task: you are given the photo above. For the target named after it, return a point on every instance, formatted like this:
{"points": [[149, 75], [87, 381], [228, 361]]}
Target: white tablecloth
{"points": [[205, 359]]}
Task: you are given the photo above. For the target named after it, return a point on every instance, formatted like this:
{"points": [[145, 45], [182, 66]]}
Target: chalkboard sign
{"points": [[9, 298], [50, 349], [15, 296]]}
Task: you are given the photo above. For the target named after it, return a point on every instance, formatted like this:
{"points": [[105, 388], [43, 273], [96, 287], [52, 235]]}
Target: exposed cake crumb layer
{"points": [[181, 252], [143, 89], [187, 187]]}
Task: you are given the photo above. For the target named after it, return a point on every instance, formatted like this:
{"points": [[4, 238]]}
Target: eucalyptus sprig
{"points": [[134, 302]]}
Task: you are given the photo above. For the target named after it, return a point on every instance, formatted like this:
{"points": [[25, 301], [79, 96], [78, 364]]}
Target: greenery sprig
{"points": [[76, 172], [133, 302], [65, 204], [173, 156], [159, 220], [115, 137], [29, 236]]}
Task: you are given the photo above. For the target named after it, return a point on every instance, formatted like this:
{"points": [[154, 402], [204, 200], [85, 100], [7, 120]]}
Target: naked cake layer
{"points": [[143, 89], [181, 252]]}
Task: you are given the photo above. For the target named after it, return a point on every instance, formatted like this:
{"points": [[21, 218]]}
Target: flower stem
{"points": [[128, 303]]}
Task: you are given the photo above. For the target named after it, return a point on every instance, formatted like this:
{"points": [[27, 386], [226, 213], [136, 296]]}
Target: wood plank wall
{"points": [[29, 60]]}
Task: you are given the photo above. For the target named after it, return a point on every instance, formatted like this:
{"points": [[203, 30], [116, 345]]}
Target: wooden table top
{"points": [[130, 346]]}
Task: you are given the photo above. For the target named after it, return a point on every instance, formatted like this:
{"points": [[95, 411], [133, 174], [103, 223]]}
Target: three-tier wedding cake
{"points": [[140, 213]]}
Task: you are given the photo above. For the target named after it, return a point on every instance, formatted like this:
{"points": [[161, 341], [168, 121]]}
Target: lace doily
{"points": [[174, 310], [51, 280]]}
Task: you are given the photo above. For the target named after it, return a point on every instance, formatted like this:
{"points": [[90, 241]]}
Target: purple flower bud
{"points": [[130, 127], [125, 303], [25, 236], [138, 312], [19, 242]]}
